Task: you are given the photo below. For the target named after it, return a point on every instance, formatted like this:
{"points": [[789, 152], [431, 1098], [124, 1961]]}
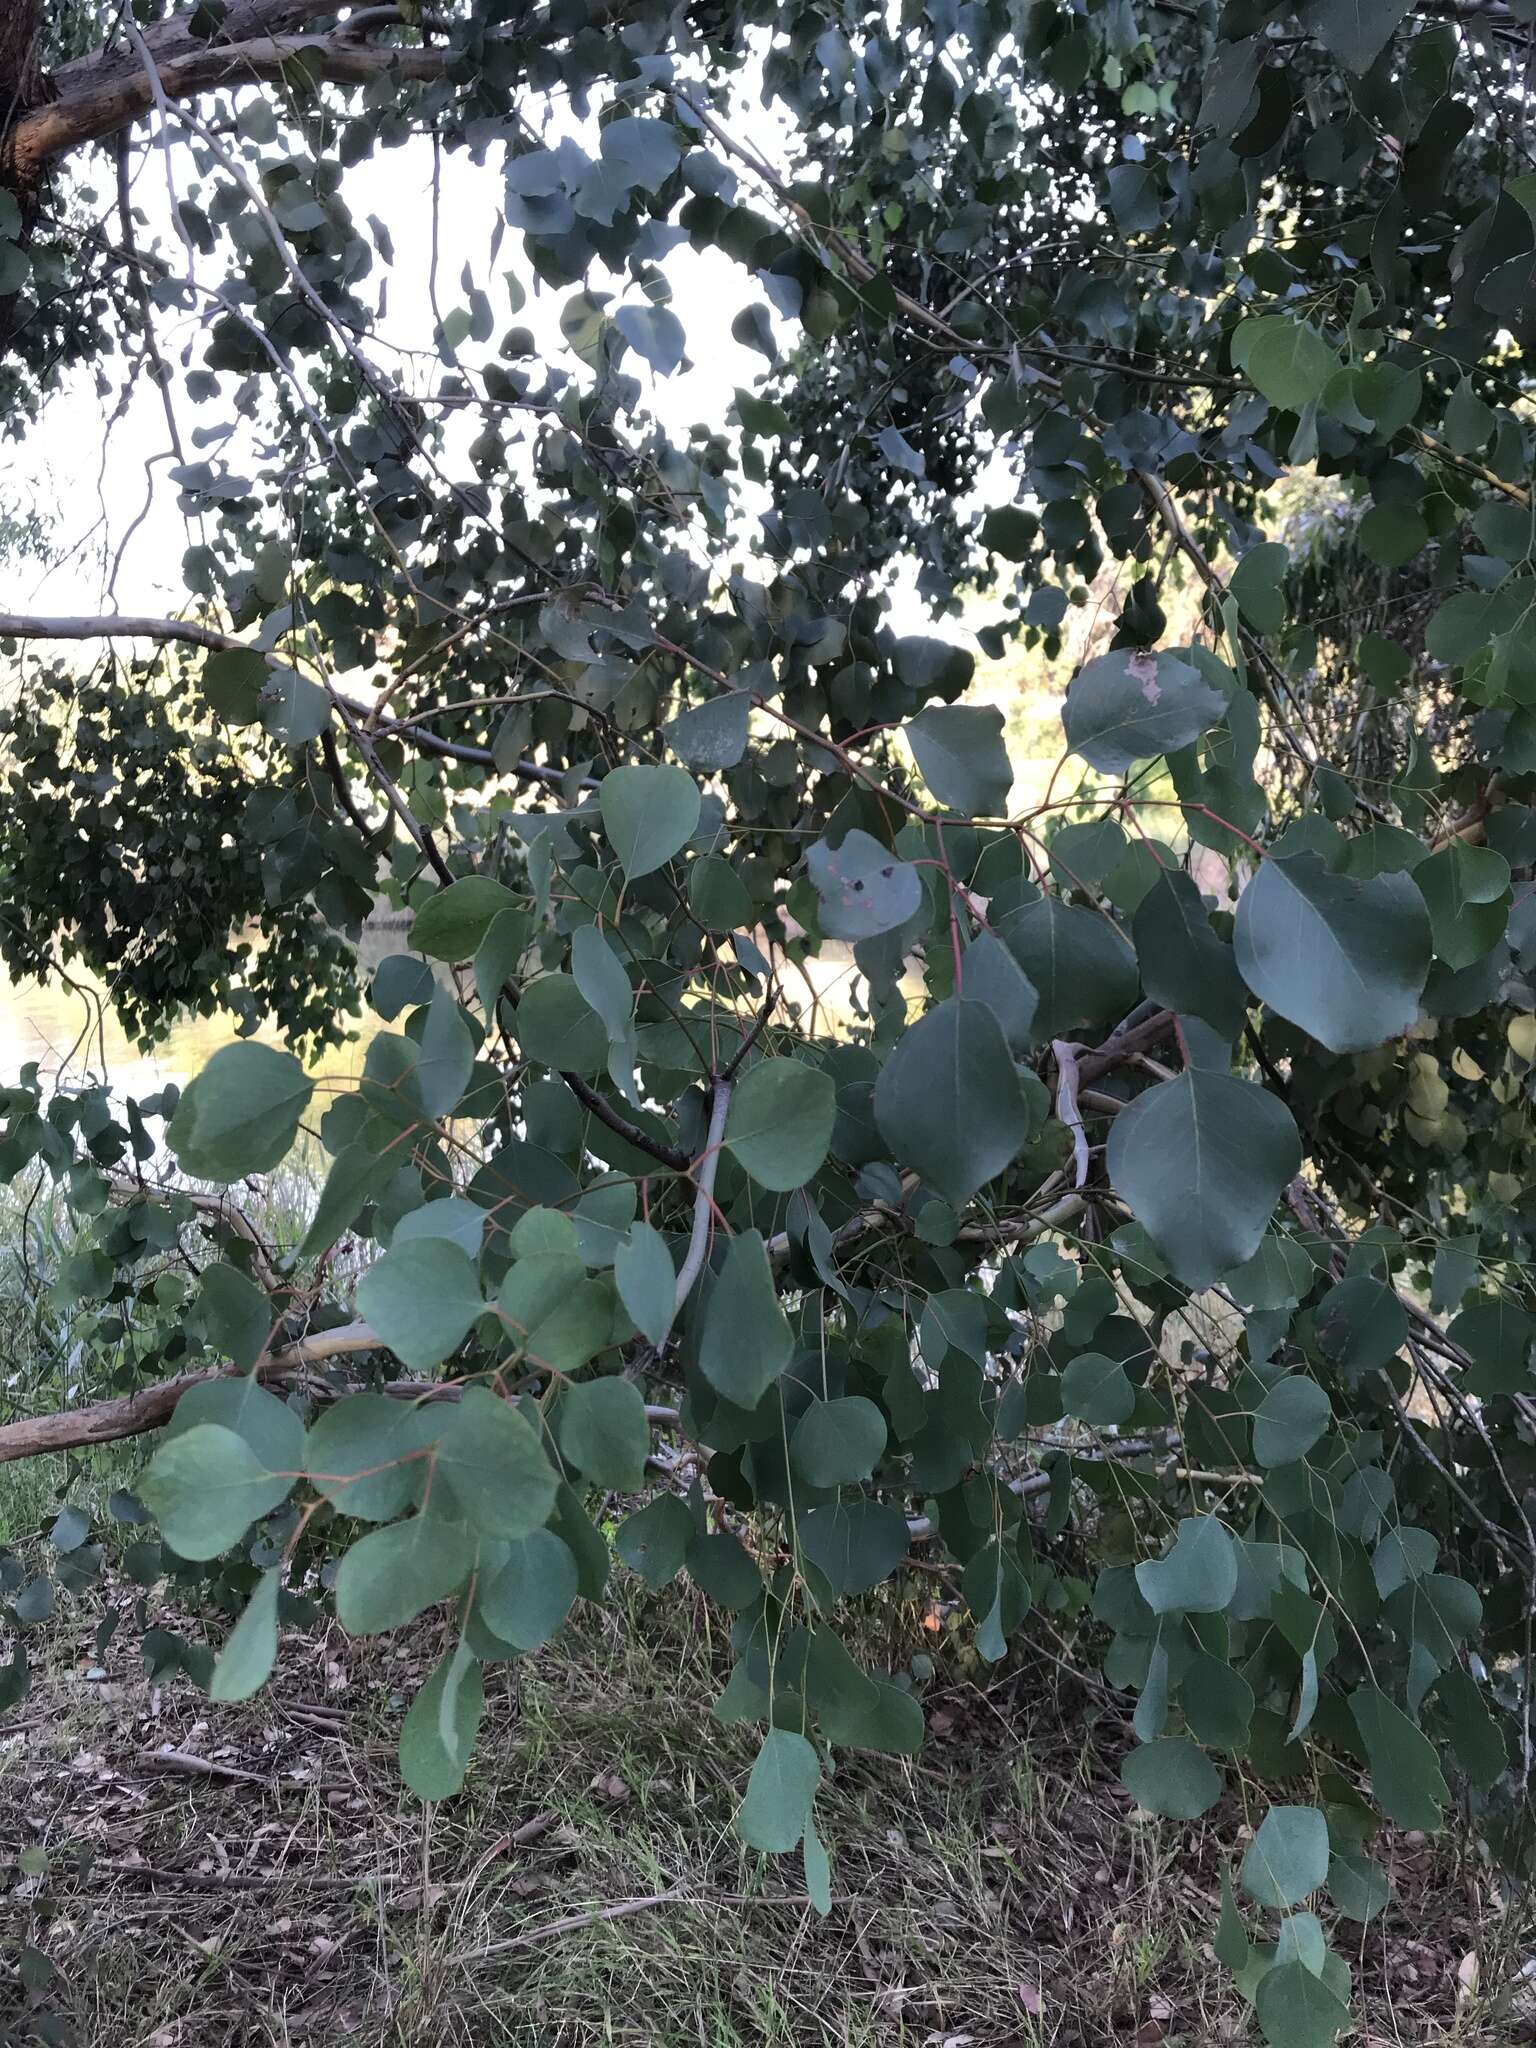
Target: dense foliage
{"points": [[1144, 1234]]}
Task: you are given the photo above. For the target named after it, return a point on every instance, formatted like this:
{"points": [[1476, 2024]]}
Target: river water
{"points": [[77, 1038]]}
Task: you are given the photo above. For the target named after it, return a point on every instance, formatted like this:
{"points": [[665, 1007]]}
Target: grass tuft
{"points": [[992, 1892]]}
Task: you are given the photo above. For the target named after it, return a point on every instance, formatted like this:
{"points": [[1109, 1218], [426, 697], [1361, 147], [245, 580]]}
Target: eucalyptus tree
{"points": [[1145, 1237]]}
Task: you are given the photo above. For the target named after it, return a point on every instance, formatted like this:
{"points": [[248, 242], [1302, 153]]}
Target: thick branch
{"points": [[704, 1199], [124, 626], [105, 1422], [99, 95], [224, 1212], [96, 96]]}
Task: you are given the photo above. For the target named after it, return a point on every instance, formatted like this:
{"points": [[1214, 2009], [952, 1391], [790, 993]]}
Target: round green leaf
{"points": [[1198, 1575], [1406, 1781], [1077, 961], [864, 889], [240, 1115], [647, 1281], [366, 1456], [270, 1428], [1172, 1776], [1097, 1390], [1290, 1419], [237, 1316], [649, 814], [558, 1028], [490, 1460], [1127, 706], [206, 1486], [1202, 1161], [423, 1298], [604, 1433], [949, 1100], [960, 754], [777, 1808], [1345, 959], [780, 1122], [1288, 1857], [533, 1592], [654, 1541], [1288, 360], [393, 1574], [1296, 2009], [438, 1734], [837, 1443], [654, 332], [245, 1662], [746, 1342], [717, 895]]}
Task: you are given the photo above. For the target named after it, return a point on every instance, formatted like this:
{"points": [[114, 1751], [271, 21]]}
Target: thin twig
{"points": [[572, 1923]]}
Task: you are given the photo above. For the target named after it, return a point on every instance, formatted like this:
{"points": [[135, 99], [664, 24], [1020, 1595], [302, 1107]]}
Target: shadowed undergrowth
{"points": [[180, 1873]]}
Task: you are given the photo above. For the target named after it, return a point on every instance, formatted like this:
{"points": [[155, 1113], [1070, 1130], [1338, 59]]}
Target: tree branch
{"points": [[665, 1155], [105, 1422], [127, 626], [126, 1188], [96, 96], [704, 1199]]}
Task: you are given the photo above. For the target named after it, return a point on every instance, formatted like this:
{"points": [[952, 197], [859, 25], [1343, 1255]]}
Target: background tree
{"points": [[1162, 1263]]}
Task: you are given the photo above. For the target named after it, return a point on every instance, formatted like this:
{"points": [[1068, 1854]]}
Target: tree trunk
{"points": [[22, 85]]}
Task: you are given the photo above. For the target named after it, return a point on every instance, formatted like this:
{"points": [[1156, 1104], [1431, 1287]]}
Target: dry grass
{"points": [[992, 1891]]}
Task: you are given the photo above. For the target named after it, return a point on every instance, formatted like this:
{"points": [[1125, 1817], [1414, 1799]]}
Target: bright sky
{"points": [[98, 511]]}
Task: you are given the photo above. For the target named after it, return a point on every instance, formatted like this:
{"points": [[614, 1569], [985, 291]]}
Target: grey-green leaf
{"points": [[1405, 1772], [647, 1281], [1296, 2008], [1080, 967], [490, 1459], [604, 1433], [949, 1100], [960, 754], [864, 888], [837, 1443], [1183, 964], [746, 1342], [393, 1574], [1354, 31], [1288, 1857], [437, 1736], [205, 1486], [1199, 1574], [1290, 1419], [1345, 959], [1202, 1160], [366, 1456], [713, 735], [1172, 1776], [1127, 706], [452, 924], [533, 1592], [777, 1808], [245, 1662], [654, 1542], [989, 974], [422, 1298], [654, 332], [236, 1315], [1287, 359], [240, 1115], [649, 815], [780, 1122]]}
